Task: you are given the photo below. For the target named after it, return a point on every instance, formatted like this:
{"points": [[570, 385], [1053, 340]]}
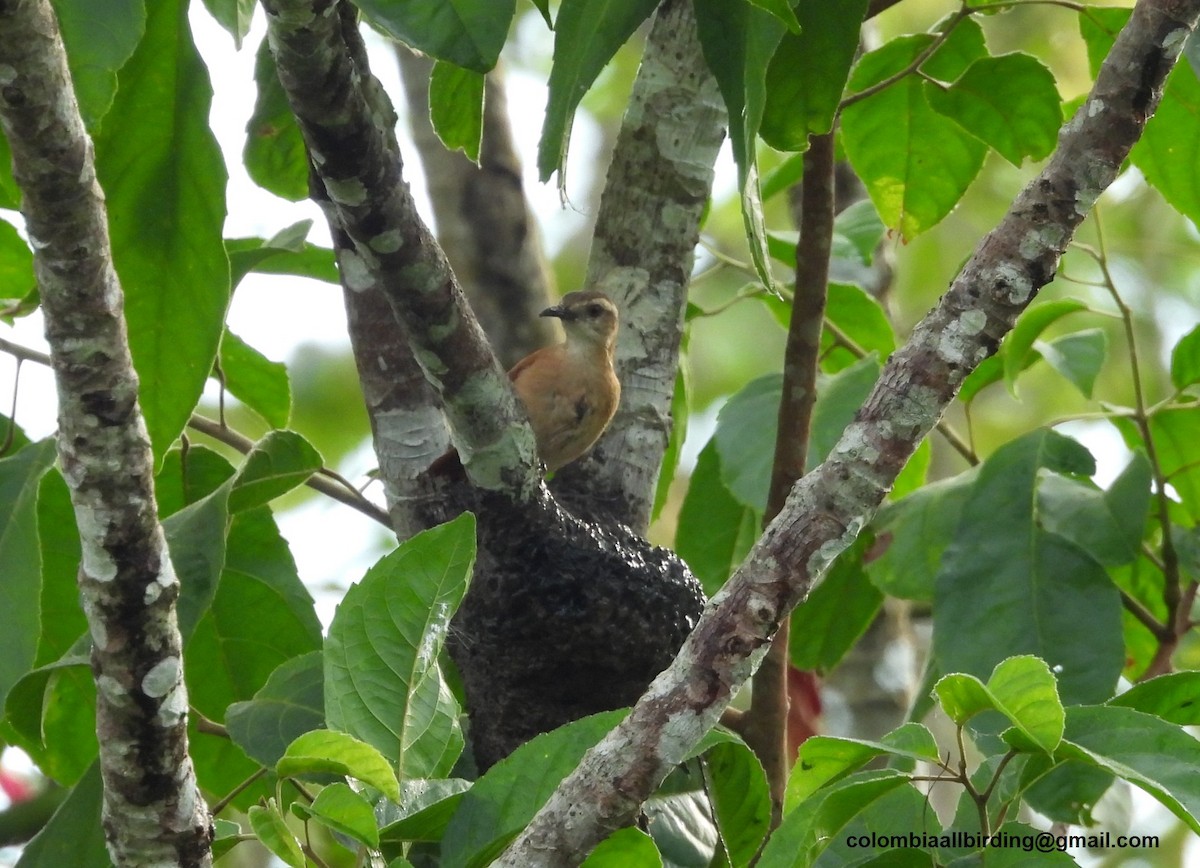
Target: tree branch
{"points": [[153, 811], [830, 505], [646, 233], [347, 122]]}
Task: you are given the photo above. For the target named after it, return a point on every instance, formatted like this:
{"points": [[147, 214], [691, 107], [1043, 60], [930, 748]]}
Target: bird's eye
{"points": [[595, 310]]}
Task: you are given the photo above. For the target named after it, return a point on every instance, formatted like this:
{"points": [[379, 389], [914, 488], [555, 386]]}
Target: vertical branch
{"points": [[765, 725], [153, 811], [646, 232], [484, 222]]}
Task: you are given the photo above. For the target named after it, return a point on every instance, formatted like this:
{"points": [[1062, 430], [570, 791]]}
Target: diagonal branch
{"points": [[829, 506], [153, 812]]}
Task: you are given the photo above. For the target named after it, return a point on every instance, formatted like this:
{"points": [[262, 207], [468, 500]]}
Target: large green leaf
{"points": [[1078, 357], [737, 788], [383, 683], [99, 35], [291, 703], [738, 40], [164, 179], [63, 620], [343, 810], [836, 612], [625, 848], [469, 33], [286, 252], [1185, 360], [424, 809], [1021, 688], [912, 533], [274, 154], [1169, 149], [587, 33], [915, 162], [1009, 102], [21, 588], [234, 15], [279, 462], [1174, 697], [324, 751], [859, 317], [1008, 586], [269, 826], [808, 71], [1017, 349], [256, 381], [74, 835], [505, 799], [715, 530], [1159, 757], [823, 759], [456, 107], [16, 264], [816, 823]]}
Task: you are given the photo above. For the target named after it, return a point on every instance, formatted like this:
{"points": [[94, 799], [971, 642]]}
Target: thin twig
{"points": [[340, 490]]}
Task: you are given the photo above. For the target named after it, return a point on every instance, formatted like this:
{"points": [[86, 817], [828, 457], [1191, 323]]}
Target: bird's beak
{"points": [[558, 311]]}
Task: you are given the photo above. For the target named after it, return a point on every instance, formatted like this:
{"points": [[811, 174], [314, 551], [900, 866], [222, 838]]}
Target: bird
{"points": [[569, 390]]}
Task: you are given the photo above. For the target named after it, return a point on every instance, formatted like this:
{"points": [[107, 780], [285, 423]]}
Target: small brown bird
{"points": [[569, 390]]}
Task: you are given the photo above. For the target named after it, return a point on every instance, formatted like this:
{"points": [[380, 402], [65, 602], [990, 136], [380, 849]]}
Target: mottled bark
{"points": [[829, 506], [646, 233], [484, 222], [153, 811]]}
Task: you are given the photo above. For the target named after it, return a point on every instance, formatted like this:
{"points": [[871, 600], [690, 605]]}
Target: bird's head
{"points": [[588, 316]]}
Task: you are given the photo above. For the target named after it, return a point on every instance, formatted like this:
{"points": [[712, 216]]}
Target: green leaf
{"points": [[1009, 586], [468, 33], [835, 614], [425, 808], [285, 253], [279, 462], [505, 799], [741, 804], [715, 531], [345, 811], [859, 317], [738, 40], [745, 439], [196, 540], [625, 848], [1174, 697], [291, 703], [456, 107], [680, 399], [823, 759], [1159, 757], [587, 33], [63, 620], [838, 398], [1017, 350], [21, 588], [382, 679], [1107, 525], [807, 73], [916, 163], [1077, 356], [912, 533], [1027, 694], [1185, 360], [234, 15], [268, 825], [1009, 102], [16, 264], [164, 180], [325, 751], [99, 36], [274, 153], [256, 381], [74, 835], [32, 719], [1166, 151], [682, 827], [1175, 432], [815, 823], [859, 226], [990, 370]]}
